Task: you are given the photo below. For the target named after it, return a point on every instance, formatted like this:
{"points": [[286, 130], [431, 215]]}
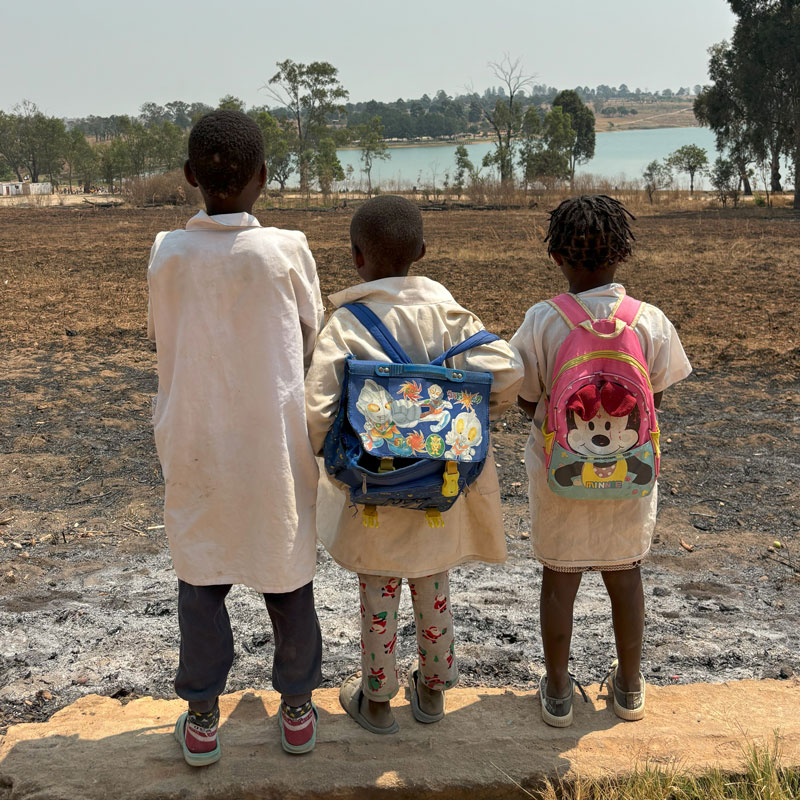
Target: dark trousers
{"points": [[207, 644]]}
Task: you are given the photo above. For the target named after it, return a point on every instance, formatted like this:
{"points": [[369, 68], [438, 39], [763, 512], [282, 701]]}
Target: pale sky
{"points": [[80, 57]]}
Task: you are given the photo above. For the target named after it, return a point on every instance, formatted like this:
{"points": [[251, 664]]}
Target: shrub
{"points": [[759, 200], [166, 189]]}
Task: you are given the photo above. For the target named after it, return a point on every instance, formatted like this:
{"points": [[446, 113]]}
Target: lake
{"points": [[618, 155]]}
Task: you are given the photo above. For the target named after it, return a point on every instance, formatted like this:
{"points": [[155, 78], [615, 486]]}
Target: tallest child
{"points": [[234, 311]]}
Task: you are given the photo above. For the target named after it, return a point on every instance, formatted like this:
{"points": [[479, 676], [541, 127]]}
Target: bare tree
{"points": [[506, 116]]}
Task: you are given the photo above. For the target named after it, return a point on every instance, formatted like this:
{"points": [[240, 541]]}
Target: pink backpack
{"points": [[601, 432]]}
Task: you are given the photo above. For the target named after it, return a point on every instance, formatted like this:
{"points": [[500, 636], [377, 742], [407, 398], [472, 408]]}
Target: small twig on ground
{"points": [[154, 527], [84, 480], [87, 499], [688, 547], [135, 530], [789, 564], [518, 785], [7, 520]]}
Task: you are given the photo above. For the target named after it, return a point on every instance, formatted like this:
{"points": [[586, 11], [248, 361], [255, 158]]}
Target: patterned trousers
{"points": [[380, 599]]}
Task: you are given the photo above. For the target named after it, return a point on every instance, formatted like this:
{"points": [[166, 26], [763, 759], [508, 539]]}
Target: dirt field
{"points": [[87, 596]]}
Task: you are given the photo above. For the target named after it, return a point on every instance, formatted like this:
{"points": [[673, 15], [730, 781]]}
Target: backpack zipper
{"points": [[610, 354]]}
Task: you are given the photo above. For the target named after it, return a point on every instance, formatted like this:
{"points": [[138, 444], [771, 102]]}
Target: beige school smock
{"points": [[570, 534], [234, 310], [426, 320]]}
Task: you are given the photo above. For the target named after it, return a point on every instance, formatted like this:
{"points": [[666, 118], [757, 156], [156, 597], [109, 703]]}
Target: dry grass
{"points": [[764, 778]]}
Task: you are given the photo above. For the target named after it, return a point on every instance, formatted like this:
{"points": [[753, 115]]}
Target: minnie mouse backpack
{"points": [[601, 432]]}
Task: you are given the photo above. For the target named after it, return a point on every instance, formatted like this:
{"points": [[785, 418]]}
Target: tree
{"points": [[277, 148], [505, 117], [691, 159], [582, 121], [75, 151], [231, 103], [372, 144], [326, 166], [724, 178], [152, 114], [169, 145], [309, 92], [464, 167], [180, 113], [11, 148], [761, 81], [656, 176]]}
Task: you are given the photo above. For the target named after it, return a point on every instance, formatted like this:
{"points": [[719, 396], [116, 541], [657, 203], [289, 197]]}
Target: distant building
{"points": [[13, 188]]}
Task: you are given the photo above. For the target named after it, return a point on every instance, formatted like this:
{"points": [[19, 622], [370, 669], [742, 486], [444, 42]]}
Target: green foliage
{"points": [[725, 179], [691, 159], [656, 176], [231, 103], [582, 122], [278, 148], [759, 200], [326, 165], [464, 167]]}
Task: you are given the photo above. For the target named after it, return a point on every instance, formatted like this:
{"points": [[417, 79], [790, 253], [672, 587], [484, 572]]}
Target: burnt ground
{"points": [[87, 594]]}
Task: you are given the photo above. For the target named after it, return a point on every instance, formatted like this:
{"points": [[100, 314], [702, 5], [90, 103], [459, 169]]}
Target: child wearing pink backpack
{"points": [[596, 365]]}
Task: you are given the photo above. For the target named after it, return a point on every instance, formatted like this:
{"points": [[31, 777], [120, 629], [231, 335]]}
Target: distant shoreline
{"points": [[491, 140]]}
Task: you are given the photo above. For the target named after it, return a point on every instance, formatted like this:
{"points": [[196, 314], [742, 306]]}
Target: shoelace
{"points": [[577, 683]]}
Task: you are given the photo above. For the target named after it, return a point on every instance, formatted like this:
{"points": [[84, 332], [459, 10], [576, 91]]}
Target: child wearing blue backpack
{"points": [[377, 371]]}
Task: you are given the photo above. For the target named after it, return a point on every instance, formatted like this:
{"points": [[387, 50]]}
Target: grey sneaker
{"points": [[627, 705], [557, 711]]}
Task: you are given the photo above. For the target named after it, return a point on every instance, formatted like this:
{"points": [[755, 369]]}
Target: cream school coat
{"points": [[234, 310], [426, 320]]}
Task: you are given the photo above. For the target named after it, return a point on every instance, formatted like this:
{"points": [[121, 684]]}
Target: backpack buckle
{"points": [[450, 486], [434, 518], [387, 464], [369, 517]]}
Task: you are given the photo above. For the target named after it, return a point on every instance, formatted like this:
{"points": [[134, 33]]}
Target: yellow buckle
{"points": [[450, 486], [369, 517], [434, 518], [386, 465]]}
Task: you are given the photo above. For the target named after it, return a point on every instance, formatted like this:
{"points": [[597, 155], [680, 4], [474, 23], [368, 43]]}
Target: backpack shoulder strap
{"points": [[476, 340], [372, 323], [572, 311], [628, 310]]}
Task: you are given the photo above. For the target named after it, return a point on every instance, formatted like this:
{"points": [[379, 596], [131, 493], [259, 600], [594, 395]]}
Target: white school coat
{"points": [[234, 310], [569, 534], [426, 320]]}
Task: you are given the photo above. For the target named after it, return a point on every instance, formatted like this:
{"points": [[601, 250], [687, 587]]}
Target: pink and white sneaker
{"points": [[197, 735], [298, 727]]}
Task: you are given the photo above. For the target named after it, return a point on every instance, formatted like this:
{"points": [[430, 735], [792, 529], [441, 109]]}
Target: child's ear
{"points": [[189, 174], [358, 256], [421, 253], [558, 258], [262, 176]]}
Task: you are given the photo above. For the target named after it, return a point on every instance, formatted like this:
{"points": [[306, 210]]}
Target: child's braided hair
{"points": [[590, 232]]}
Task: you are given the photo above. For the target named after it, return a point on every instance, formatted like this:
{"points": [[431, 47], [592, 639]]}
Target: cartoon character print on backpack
{"points": [[465, 434], [384, 416], [603, 421]]}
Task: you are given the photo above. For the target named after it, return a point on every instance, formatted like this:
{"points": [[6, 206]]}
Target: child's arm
{"points": [[324, 382], [151, 323], [527, 406], [305, 283], [530, 390], [504, 363]]}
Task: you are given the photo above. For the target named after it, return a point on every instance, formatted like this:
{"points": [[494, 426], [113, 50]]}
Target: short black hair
{"points": [[226, 149], [590, 232], [388, 230]]}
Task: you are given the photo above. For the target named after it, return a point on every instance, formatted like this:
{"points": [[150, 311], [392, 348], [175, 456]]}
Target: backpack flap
{"points": [[419, 410]]}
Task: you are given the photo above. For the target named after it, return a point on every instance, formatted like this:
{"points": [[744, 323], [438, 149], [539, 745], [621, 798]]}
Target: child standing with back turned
{"points": [[234, 311], [588, 237], [386, 240]]}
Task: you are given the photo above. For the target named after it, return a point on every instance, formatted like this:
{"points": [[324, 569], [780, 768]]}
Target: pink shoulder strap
{"points": [[628, 310], [572, 311]]}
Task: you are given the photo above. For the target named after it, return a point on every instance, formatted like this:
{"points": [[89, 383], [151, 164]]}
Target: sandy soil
{"points": [[87, 595]]}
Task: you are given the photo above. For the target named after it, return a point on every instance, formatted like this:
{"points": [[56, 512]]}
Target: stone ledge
{"points": [[99, 748]]}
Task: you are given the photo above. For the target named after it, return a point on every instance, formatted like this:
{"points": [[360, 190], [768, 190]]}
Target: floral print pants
{"points": [[380, 599]]}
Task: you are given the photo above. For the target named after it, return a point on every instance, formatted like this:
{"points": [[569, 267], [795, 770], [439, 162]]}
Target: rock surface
{"points": [[99, 748]]}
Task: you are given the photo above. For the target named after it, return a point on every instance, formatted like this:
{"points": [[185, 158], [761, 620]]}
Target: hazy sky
{"points": [[78, 57]]}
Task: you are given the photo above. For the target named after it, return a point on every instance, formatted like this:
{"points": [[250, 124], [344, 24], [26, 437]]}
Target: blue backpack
{"points": [[408, 435]]}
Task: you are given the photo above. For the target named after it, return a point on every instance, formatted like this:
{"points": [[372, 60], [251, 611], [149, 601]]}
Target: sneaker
{"points": [[627, 705], [557, 711], [197, 735], [298, 727]]}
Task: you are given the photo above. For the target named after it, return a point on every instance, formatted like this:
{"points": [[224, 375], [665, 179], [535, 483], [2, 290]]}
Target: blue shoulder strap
{"points": [[391, 346], [476, 340], [385, 339]]}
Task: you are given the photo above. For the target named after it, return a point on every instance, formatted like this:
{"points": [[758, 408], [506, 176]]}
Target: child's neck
{"points": [[233, 205], [584, 280]]}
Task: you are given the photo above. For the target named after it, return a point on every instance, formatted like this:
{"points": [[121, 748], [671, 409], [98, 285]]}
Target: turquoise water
{"points": [[619, 155]]}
